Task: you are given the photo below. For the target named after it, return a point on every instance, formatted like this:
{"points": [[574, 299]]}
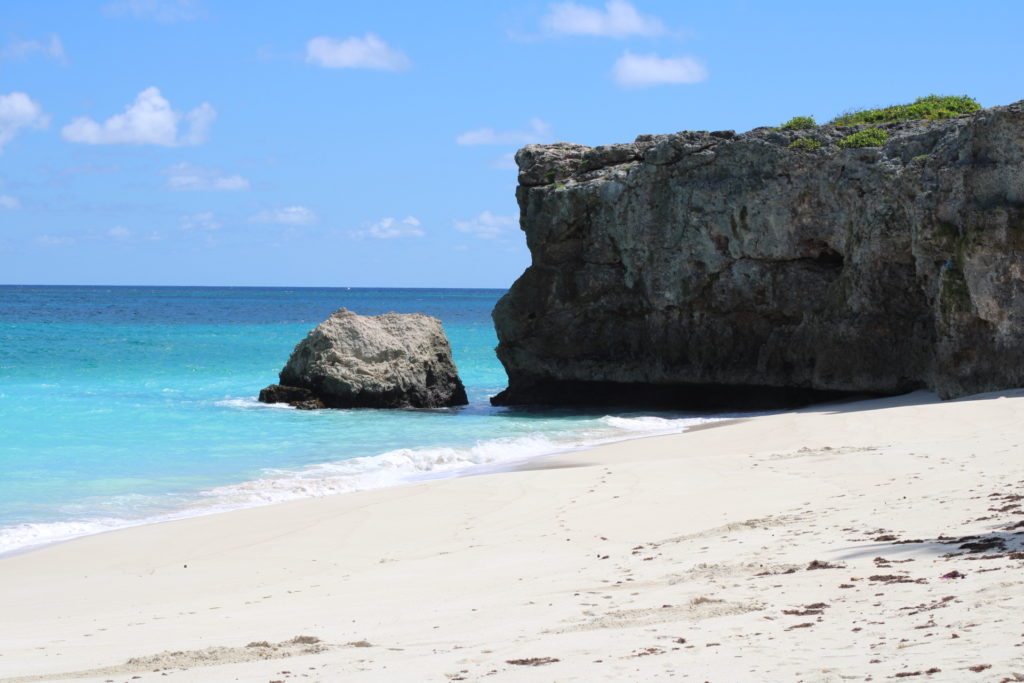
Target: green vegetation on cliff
{"points": [[799, 123], [930, 107], [871, 137], [804, 144]]}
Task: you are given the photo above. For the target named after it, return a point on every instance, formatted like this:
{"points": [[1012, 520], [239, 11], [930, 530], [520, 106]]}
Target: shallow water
{"points": [[127, 405]]}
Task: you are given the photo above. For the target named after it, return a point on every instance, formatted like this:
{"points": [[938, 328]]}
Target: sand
{"points": [[870, 541]]}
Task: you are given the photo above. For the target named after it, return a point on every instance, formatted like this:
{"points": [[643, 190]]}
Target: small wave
{"points": [[653, 424], [380, 471], [250, 403], [405, 465], [392, 468], [23, 536]]}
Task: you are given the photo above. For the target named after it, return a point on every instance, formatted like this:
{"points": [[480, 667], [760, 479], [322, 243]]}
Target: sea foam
{"points": [[392, 468]]}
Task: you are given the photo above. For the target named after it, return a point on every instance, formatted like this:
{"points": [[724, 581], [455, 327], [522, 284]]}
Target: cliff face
{"points": [[706, 269]]}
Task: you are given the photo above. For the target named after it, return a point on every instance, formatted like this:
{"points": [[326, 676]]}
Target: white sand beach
{"points": [[869, 541]]}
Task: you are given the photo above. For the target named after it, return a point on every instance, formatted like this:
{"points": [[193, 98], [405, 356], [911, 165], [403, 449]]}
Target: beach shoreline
{"points": [[398, 475], [875, 539]]}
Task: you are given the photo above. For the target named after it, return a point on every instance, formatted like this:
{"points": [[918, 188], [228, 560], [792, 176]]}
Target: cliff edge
{"points": [[713, 269]]}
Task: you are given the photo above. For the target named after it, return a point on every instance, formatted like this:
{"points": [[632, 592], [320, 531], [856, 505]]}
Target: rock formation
{"points": [[387, 361], [709, 269]]}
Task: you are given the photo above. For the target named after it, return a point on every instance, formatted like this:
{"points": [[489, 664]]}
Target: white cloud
{"points": [[538, 131], [17, 111], [618, 20], [505, 161], [200, 221], [199, 120], [23, 49], [149, 120], [54, 241], [186, 176], [166, 11], [9, 202], [288, 215], [119, 232], [368, 52], [644, 71], [389, 228], [487, 225]]}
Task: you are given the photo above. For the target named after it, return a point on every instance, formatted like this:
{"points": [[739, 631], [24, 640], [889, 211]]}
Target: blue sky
{"points": [[221, 142]]}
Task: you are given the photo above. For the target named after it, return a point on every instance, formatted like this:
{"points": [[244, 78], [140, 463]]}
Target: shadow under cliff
{"points": [[688, 397]]}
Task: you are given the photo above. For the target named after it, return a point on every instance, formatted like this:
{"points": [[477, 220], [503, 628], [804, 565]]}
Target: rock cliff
{"points": [[385, 361], [706, 269]]}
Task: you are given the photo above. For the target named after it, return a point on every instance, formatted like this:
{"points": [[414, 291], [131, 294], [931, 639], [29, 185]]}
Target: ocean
{"points": [[122, 406]]}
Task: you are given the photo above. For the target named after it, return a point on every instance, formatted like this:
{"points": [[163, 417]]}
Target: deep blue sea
{"points": [[130, 405]]}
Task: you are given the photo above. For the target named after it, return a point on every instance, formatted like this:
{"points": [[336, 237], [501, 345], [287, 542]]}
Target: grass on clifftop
{"points": [[799, 123], [930, 107]]}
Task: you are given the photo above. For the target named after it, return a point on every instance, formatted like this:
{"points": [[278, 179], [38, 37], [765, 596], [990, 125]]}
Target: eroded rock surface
{"points": [[385, 361], [706, 269]]}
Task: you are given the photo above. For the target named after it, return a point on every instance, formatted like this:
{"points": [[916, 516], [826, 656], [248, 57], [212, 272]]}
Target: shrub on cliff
{"points": [[930, 107], [804, 144], [870, 137], [799, 123]]}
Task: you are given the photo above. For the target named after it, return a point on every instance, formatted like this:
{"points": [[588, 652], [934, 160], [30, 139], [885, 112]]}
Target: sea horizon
{"points": [[134, 286]]}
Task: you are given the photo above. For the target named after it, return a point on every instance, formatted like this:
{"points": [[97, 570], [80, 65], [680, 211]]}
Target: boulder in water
{"points": [[386, 361]]}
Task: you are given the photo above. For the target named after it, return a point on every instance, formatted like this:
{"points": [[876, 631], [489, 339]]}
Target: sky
{"points": [[344, 144]]}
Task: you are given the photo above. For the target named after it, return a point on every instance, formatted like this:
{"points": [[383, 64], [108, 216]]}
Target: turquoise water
{"points": [[124, 405]]}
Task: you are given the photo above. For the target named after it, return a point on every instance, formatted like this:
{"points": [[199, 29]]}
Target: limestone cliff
{"points": [[706, 269]]}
